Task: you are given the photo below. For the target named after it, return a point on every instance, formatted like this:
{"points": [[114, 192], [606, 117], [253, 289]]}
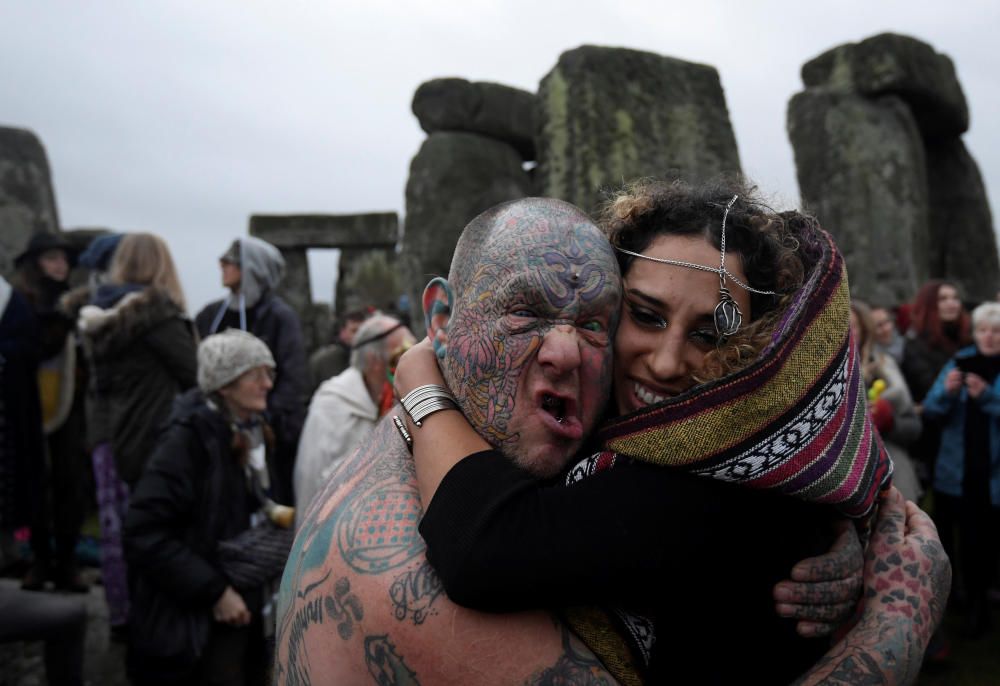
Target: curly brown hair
{"points": [[768, 243]]}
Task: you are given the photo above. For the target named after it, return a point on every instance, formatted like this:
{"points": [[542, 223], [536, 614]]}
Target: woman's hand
{"points": [[824, 591], [953, 381], [230, 608], [976, 384], [417, 367]]}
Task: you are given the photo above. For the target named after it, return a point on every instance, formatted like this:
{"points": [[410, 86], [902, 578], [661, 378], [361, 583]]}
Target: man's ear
{"points": [[437, 303]]}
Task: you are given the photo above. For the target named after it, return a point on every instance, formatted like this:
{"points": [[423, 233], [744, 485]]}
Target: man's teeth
{"points": [[647, 396]]}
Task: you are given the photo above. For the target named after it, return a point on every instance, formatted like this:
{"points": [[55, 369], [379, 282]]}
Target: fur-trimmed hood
{"points": [[73, 301], [111, 329]]}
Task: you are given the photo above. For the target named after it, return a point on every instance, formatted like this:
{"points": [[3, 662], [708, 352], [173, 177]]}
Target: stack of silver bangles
{"points": [[425, 400]]}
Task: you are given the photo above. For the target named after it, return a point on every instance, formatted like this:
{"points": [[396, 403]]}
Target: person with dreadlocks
{"points": [[742, 432]]}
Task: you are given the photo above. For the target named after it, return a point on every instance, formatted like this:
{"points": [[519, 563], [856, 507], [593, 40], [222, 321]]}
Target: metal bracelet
{"points": [[420, 393], [401, 428], [429, 407], [426, 400]]}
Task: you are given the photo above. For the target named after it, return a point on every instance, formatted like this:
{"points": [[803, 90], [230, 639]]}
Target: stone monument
{"points": [[880, 160]]}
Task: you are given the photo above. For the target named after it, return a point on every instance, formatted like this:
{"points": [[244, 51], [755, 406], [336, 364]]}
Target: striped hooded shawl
{"points": [[795, 421]]}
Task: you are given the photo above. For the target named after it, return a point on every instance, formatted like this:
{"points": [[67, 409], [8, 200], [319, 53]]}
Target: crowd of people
{"points": [[205, 444], [180, 434]]}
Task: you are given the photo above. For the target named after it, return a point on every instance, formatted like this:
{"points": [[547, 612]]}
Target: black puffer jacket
{"points": [[192, 495], [144, 353]]}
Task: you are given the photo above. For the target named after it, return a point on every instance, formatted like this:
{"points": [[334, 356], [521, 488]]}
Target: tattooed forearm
{"points": [[385, 665], [907, 580], [414, 591]]}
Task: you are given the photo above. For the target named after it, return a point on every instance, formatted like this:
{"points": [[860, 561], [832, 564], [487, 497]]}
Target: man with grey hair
{"points": [[346, 407]]}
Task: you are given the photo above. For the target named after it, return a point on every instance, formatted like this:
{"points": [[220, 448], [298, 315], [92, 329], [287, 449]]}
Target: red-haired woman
{"points": [[940, 326]]}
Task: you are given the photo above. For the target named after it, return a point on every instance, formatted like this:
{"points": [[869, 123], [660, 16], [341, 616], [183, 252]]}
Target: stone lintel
{"points": [[372, 230]]}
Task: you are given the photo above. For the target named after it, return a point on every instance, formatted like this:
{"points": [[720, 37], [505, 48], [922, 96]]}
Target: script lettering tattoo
{"points": [[297, 671], [414, 591], [386, 665], [559, 271]]}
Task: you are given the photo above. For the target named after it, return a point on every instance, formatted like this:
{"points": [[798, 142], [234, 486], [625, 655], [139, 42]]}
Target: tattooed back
{"points": [[359, 603]]}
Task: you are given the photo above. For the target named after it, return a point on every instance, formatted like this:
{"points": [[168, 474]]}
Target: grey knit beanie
{"points": [[223, 357]]}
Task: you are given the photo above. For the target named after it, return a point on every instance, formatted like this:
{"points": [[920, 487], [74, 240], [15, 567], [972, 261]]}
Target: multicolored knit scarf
{"points": [[795, 421]]}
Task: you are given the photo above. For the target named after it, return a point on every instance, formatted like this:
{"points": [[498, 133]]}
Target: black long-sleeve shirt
{"points": [[700, 556]]}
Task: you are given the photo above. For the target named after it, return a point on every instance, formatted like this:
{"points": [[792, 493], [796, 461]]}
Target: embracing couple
{"points": [[737, 444]]}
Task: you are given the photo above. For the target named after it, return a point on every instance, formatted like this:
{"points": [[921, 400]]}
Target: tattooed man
{"points": [[359, 603]]}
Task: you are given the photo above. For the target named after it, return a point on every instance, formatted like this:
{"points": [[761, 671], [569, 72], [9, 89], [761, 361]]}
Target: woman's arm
{"points": [[941, 398], [906, 424], [579, 540], [989, 398], [445, 437]]}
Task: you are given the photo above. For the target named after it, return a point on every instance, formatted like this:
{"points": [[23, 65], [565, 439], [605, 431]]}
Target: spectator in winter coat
{"points": [[208, 481], [893, 411], [142, 351], [252, 270], [346, 407], [966, 398], [939, 327], [59, 499]]}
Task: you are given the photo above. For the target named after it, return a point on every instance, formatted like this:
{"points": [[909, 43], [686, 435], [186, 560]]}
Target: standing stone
{"points": [[963, 247], [898, 65], [27, 202], [888, 112], [490, 109], [453, 178], [861, 171], [610, 115]]}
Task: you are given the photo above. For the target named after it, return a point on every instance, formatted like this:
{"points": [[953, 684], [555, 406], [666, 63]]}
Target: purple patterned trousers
{"points": [[112, 501]]}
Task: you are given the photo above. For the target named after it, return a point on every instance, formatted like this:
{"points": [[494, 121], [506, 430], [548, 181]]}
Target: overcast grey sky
{"points": [[184, 118]]}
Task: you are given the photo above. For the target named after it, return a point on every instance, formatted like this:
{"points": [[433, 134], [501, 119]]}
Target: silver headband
{"points": [[727, 317]]}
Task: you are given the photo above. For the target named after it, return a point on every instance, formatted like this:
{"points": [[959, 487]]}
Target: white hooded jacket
{"points": [[341, 415]]}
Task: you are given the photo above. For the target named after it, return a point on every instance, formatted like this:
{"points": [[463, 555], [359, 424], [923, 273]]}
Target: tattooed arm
{"points": [[360, 604], [907, 580]]}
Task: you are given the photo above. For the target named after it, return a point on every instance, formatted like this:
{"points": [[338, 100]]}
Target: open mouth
{"points": [[555, 406]]}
